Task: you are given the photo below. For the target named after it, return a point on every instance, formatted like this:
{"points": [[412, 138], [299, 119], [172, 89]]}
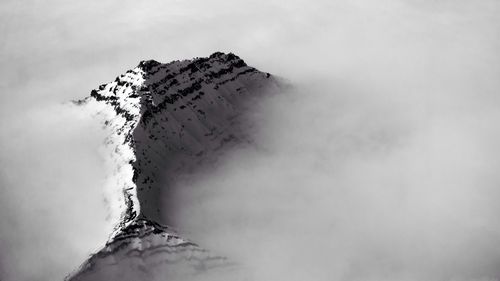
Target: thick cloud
{"points": [[379, 165]]}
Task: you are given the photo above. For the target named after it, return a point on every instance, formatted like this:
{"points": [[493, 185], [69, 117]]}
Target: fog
{"points": [[380, 164]]}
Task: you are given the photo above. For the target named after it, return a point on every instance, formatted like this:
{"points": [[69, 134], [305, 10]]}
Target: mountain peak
{"points": [[148, 64], [166, 121]]}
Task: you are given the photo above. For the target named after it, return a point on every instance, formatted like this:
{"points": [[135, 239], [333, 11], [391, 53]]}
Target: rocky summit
{"points": [[166, 121]]}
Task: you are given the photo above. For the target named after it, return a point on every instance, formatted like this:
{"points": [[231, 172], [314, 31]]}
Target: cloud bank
{"points": [[379, 165]]}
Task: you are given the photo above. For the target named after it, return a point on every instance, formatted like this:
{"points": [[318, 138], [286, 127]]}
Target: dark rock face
{"points": [[168, 120], [188, 113]]}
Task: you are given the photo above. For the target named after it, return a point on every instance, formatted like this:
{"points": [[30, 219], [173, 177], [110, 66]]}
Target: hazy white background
{"points": [[381, 165]]}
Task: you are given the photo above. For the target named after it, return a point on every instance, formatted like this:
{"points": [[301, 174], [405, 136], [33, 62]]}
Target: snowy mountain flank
{"points": [[165, 121]]}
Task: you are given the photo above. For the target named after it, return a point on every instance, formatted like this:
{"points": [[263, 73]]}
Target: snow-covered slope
{"points": [[166, 120]]}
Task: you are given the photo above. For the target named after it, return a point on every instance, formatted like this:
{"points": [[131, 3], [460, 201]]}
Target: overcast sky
{"points": [[382, 164]]}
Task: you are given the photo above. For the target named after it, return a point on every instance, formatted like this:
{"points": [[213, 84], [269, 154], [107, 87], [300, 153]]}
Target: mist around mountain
{"points": [[380, 164], [168, 121]]}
